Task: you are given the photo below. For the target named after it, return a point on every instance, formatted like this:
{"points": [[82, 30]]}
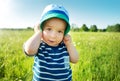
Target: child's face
{"points": [[53, 31]]}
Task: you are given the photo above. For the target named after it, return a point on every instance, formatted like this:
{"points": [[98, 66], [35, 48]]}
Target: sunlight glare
{"points": [[5, 11]]}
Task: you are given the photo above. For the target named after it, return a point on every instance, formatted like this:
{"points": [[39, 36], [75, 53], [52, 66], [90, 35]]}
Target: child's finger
{"points": [[37, 27]]}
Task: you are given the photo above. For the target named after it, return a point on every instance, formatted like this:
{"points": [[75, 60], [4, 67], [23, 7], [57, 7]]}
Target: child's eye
{"points": [[60, 32], [49, 29]]}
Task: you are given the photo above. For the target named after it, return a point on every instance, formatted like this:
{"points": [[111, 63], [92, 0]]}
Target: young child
{"points": [[51, 46]]}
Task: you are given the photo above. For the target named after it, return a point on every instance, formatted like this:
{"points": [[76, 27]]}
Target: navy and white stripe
{"points": [[52, 64]]}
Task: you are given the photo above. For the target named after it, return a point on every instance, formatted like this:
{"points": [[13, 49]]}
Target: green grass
{"points": [[99, 56]]}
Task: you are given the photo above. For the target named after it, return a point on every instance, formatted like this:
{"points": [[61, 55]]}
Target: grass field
{"points": [[99, 56]]}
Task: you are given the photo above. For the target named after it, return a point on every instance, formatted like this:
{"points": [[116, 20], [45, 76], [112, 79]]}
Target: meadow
{"points": [[99, 55]]}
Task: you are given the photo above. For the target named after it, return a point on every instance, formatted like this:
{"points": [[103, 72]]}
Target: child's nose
{"points": [[53, 34]]}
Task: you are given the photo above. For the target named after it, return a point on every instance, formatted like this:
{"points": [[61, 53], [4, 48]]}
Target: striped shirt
{"points": [[52, 63]]}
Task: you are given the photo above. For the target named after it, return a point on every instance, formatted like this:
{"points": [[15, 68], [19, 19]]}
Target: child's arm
{"points": [[32, 44], [71, 49]]}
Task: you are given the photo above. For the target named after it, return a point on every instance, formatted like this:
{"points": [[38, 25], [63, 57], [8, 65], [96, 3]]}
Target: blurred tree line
{"points": [[84, 28], [94, 28]]}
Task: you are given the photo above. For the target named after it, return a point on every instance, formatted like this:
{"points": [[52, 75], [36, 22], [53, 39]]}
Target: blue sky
{"points": [[24, 13]]}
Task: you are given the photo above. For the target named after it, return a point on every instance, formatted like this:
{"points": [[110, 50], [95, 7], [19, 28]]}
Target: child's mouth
{"points": [[51, 41]]}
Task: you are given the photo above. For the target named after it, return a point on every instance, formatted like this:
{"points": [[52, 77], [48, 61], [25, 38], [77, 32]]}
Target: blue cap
{"points": [[55, 11]]}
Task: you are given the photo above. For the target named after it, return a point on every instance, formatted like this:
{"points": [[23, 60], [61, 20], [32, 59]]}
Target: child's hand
{"points": [[74, 56], [37, 28], [67, 39]]}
